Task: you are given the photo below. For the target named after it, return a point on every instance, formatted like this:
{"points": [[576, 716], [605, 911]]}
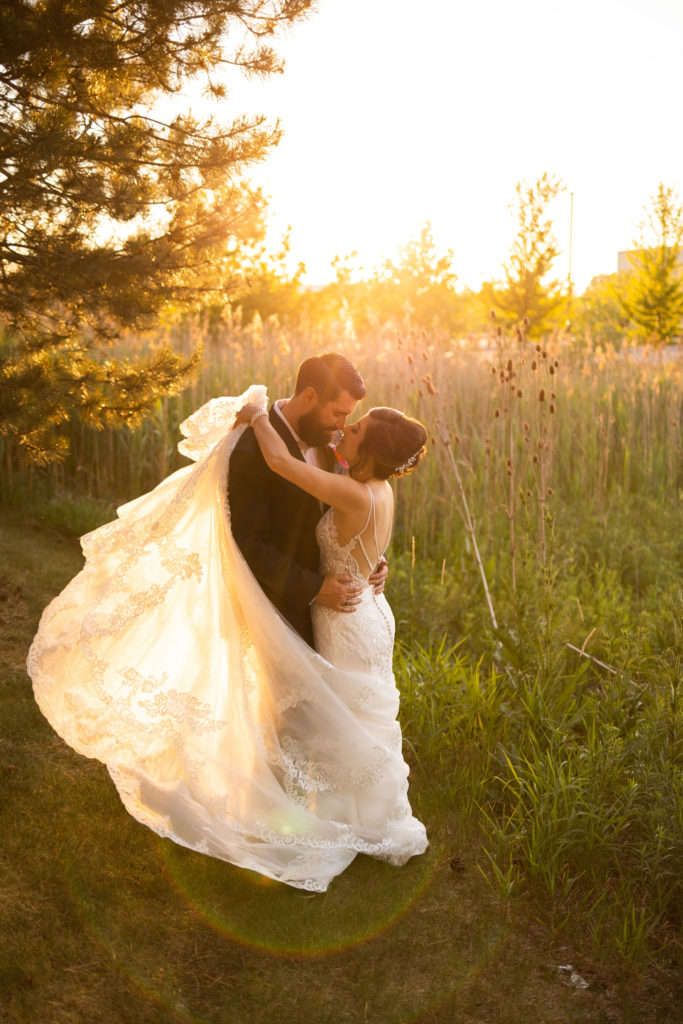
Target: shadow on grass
{"points": [[169, 921]]}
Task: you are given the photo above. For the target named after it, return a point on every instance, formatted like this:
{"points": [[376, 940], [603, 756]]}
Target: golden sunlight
{"points": [[393, 118]]}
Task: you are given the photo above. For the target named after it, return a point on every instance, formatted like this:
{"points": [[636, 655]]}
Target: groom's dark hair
{"points": [[328, 375]]}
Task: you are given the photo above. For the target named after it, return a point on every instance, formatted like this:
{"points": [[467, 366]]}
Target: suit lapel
{"points": [[285, 433]]}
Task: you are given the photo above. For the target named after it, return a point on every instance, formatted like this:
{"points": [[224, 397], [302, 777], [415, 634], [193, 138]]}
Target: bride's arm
{"points": [[330, 488]]}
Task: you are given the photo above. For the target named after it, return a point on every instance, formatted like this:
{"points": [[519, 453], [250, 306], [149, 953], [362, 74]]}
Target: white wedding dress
{"points": [[220, 727]]}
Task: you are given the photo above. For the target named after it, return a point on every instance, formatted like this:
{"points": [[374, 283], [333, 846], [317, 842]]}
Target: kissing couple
{"points": [[226, 651]]}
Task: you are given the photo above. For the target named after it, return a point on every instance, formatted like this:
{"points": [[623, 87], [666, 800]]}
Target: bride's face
{"points": [[350, 442]]}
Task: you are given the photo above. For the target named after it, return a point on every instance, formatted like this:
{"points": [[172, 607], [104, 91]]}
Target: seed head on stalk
{"points": [[464, 509], [429, 384]]}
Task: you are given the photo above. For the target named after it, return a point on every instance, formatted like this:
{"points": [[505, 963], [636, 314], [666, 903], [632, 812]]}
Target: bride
{"points": [[219, 725]]}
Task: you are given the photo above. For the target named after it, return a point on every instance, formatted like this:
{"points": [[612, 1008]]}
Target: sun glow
{"points": [[396, 115]]}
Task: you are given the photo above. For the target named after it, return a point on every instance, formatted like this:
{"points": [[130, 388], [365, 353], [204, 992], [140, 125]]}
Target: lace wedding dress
{"points": [[220, 727]]}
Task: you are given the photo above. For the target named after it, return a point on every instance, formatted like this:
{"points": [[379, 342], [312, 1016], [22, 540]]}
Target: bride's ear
{"points": [[364, 469]]}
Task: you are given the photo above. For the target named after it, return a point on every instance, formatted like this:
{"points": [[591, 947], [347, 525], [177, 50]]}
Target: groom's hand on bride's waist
{"points": [[378, 578], [340, 593]]}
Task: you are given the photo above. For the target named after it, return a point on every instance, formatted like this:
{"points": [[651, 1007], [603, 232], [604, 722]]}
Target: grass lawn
{"points": [[103, 922]]}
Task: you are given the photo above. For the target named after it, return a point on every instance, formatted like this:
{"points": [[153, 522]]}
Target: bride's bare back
{"points": [[370, 528]]}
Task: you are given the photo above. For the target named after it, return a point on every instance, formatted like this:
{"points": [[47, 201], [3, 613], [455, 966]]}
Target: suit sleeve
{"points": [[251, 514]]}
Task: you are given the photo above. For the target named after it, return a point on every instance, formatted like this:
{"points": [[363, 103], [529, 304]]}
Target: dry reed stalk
{"points": [[442, 428], [524, 425]]}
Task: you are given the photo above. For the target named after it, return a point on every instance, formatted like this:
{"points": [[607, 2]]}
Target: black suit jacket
{"points": [[273, 523]]}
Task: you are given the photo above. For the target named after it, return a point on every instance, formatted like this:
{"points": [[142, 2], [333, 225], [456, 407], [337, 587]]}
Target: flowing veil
{"points": [[220, 727]]}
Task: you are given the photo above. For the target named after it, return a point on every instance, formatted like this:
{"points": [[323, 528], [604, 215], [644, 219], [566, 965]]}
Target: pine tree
{"points": [[526, 291], [108, 209], [653, 298]]}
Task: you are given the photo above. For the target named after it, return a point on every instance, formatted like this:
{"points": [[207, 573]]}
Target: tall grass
{"points": [[555, 723], [614, 429], [577, 782]]}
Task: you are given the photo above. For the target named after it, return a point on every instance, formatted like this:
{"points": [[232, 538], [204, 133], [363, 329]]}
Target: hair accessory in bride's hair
{"points": [[409, 464]]}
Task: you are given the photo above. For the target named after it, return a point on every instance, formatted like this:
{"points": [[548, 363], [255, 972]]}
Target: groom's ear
{"points": [[310, 397]]}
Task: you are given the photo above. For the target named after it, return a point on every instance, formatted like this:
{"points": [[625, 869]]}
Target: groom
{"points": [[273, 521]]}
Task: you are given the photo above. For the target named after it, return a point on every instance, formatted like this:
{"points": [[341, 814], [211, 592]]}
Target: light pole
{"points": [[570, 287], [571, 239]]}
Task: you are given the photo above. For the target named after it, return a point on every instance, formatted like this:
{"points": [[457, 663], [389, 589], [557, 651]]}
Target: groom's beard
{"points": [[311, 429]]}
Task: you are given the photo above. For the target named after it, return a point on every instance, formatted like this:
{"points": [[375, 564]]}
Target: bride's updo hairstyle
{"points": [[395, 441]]}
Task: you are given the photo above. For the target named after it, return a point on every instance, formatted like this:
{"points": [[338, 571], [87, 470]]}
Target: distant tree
{"points": [[599, 312], [269, 284], [422, 281], [527, 290], [653, 299], [416, 287], [109, 209]]}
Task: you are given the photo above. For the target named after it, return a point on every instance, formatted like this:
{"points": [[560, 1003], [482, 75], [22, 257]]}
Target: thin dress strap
{"points": [[371, 514]]}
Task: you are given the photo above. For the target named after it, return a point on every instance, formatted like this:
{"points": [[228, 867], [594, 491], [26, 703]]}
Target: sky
{"points": [[398, 113]]}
